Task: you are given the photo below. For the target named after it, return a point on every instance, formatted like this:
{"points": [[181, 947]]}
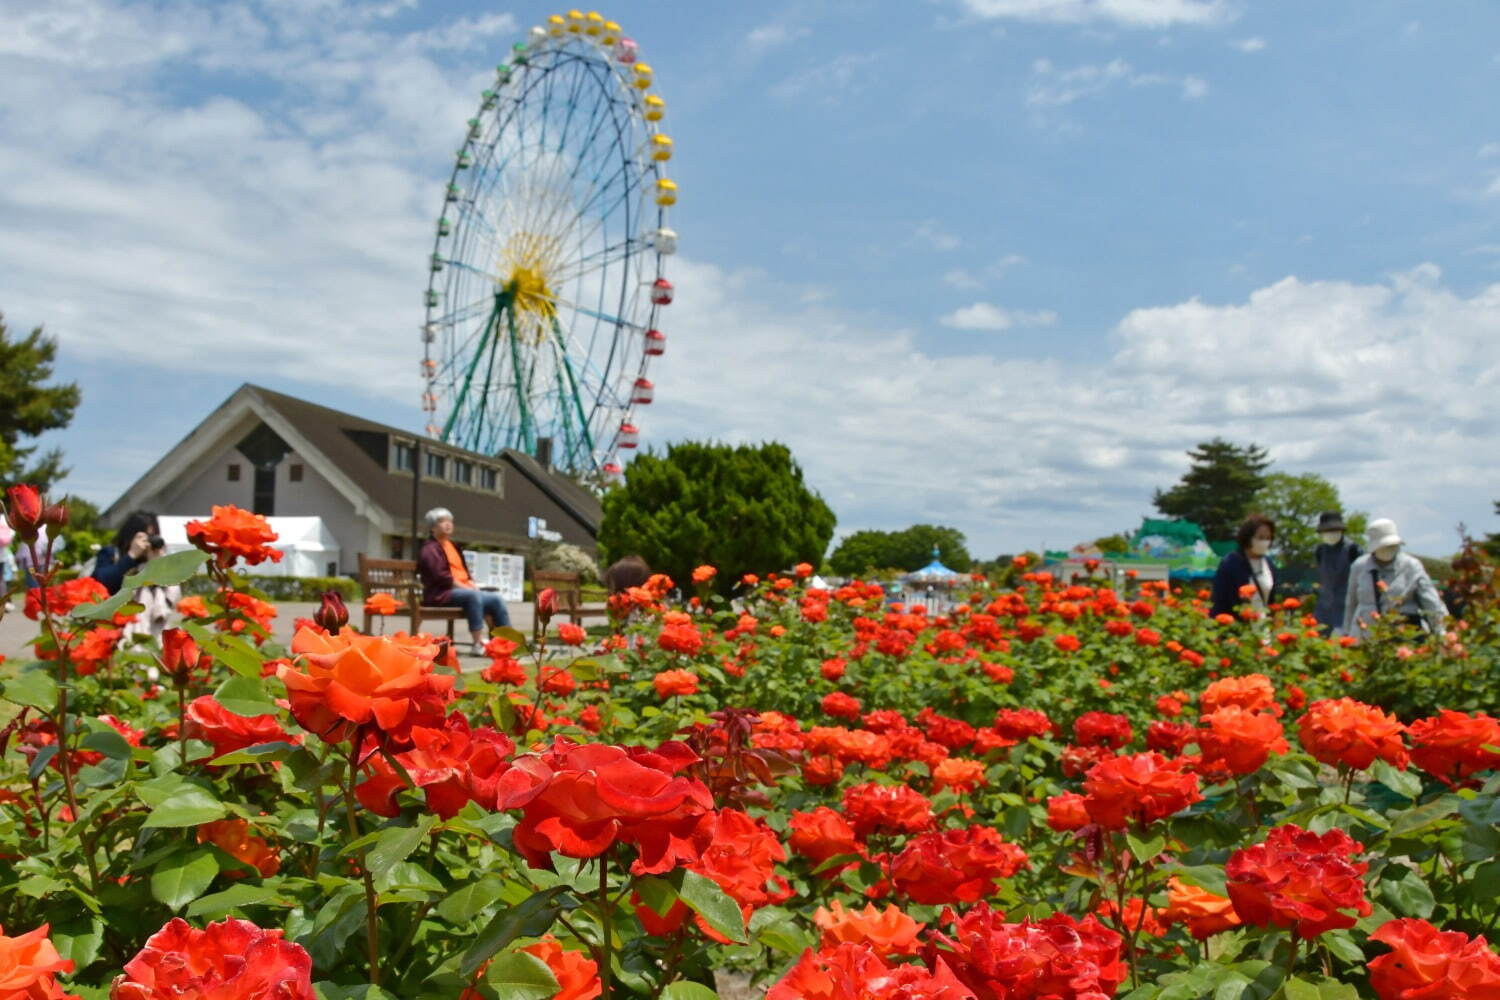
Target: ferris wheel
{"points": [[547, 270]]}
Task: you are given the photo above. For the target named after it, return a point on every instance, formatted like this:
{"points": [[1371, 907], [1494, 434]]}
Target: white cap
{"points": [[1382, 532]]}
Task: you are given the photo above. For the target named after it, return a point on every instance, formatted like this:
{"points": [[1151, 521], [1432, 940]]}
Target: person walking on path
{"points": [[1387, 581], [446, 581], [1334, 555], [1247, 570]]}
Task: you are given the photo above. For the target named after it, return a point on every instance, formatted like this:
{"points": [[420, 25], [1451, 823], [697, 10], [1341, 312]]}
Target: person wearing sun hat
{"points": [[1334, 555], [1387, 581]]}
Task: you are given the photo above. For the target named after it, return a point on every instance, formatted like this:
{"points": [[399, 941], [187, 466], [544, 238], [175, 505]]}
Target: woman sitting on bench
{"points": [[446, 581]]}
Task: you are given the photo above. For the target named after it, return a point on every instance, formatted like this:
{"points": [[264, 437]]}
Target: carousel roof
{"points": [[933, 572]]}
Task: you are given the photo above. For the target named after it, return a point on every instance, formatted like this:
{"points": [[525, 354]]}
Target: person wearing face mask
{"points": [[1334, 555], [1387, 581], [1249, 565]]}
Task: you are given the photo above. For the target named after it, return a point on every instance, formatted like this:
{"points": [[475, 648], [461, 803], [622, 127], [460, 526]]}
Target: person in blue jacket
{"points": [[137, 537], [1248, 565]]}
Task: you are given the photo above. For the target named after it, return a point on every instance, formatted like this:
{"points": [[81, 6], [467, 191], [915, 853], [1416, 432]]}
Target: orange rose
{"points": [[675, 682], [888, 931], [381, 603], [703, 574], [28, 964], [1239, 741], [233, 837], [233, 534], [577, 976], [1253, 692], [1350, 733], [1204, 913], [355, 682]]}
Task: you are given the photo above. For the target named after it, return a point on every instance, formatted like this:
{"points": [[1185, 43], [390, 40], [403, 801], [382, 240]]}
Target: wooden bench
{"points": [[569, 597], [398, 577]]}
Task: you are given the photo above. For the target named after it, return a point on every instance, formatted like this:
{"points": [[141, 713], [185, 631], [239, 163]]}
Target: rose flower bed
{"points": [[1047, 792]]}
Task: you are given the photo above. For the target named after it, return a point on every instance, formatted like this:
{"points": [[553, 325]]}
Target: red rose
{"points": [[1451, 746], [1237, 741], [546, 604], [23, 511], [1021, 723], [233, 837], [954, 866], [820, 835], [1138, 788], [179, 653], [1428, 964], [858, 972], [1168, 737], [1065, 811], [1101, 729], [332, 614], [64, 597], [742, 861], [841, 705], [571, 635], [232, 958], [453, 765], [580, 800], [871, 808], [1058, 957], [211, 722], [1298, 880], [680, 638]]}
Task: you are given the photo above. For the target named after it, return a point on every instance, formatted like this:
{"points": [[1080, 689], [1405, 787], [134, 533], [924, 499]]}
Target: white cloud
{"points": [[829, 81], [286, 238], [966, 279], [769, 36], [1489, 149], [1120, 13], [987, 316], [932, 235], [1051, 87], [1249, 45]]}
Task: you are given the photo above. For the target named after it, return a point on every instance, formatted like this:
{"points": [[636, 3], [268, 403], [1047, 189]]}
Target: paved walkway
{"points": [[17, 631]]}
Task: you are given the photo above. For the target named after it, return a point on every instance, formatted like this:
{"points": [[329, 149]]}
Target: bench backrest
{"points": [[397, 577], [569, 588]]}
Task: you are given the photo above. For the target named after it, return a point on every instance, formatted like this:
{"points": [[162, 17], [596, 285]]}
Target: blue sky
{"points": [[993, 263]]}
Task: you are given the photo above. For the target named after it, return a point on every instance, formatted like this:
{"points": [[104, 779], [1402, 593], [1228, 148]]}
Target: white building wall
{"points": [[314, 496]]}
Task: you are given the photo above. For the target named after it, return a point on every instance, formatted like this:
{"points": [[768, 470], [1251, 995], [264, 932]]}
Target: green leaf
{"points": [[245, 696], [1145, 850], [395, 843], [1407, 894], [1409, 821], [468, 901], [40, 761], [1300, 989], [79, 941], [236, 654], [683, 990], [519, 975], [257, 754], [235, 897], [182, 878], [656, 893], [1401, 782], [34, 688], [189, 805], [705, 897], [108, 742], [340, 916], [360, 991], [529, 918], [514, 635], [163, 571], [1210, 877]]}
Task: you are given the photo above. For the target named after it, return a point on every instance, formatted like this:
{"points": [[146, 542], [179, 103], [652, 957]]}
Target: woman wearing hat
{"points": [[1334, 555], [1387, 581]]}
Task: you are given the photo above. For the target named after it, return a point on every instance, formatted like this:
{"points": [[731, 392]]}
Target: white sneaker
{"points": [[477, 649]]}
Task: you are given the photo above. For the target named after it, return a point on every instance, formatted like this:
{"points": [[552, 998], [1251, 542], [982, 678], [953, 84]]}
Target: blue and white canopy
{"points": [[934, 574]]}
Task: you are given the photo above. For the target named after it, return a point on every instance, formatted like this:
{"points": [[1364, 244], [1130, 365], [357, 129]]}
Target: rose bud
{"points": [[546, 604], [331, 615], [23, 510], [179, 653], [55, 516]]}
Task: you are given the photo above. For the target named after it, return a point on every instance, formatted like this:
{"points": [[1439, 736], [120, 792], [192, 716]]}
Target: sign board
{"points": [[498, 571]]}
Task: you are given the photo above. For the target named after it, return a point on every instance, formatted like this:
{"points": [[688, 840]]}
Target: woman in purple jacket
{"points": [[446, 581]]}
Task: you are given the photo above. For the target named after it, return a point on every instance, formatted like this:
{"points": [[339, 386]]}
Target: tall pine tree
{"points": [[1217, 490], [30, 407]]}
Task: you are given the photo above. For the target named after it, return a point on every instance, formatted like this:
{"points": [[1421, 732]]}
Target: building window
{"points": [[263, 501], [463, 472], [437, 466], [489, 479], [295, 473], [403, 457], [234, 472]]}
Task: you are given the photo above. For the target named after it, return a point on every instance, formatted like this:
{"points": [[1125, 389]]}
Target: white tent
{"points": [[310, 548]]}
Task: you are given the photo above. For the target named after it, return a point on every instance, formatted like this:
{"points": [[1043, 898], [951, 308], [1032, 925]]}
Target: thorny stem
{"points": [[372, 922], [605, 909], [182, 720]]}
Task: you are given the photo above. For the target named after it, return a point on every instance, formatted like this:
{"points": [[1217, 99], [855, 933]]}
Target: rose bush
{"points": [[1027, 794]]}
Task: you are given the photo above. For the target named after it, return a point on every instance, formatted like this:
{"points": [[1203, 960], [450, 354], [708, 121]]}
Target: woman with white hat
{"points": [[1388, 582]]}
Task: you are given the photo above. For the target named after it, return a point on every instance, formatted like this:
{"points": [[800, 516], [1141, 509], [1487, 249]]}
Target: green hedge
{"points": [[286, 588]]}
